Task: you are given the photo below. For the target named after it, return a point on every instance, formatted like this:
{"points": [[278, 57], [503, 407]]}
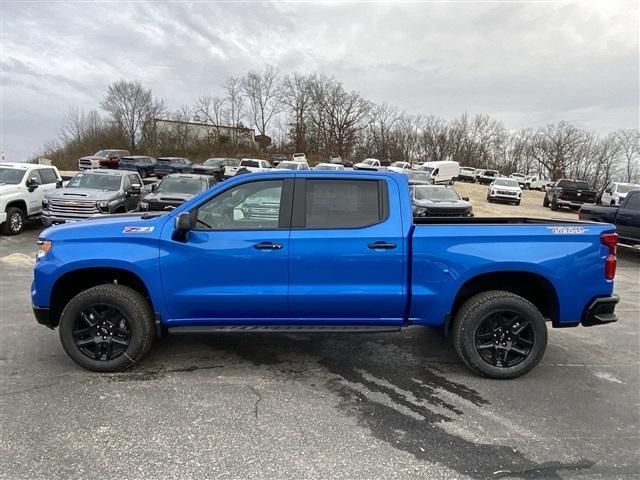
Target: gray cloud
{"points": [[525, 63]]}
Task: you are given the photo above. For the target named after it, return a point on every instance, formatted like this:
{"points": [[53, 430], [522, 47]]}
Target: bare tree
{"points": [[339, 116], [383, 118], [297, 92], [629, 141], [264, 95], [558, 147], [235, 104], [132, 108]]}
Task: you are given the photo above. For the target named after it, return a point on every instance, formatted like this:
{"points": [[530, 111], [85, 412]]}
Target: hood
{"points": [[168, 197], [92, 157], [124, 226], [207, 168], [82, 194], [443, 203], [9, 189], [508, 189]]}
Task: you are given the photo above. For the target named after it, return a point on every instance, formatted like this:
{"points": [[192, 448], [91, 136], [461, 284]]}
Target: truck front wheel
{"points": [[14, 224], [499, 334], [107, 328]]}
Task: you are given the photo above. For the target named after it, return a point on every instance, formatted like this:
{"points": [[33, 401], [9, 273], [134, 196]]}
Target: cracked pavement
{"points": [[258, 406]]}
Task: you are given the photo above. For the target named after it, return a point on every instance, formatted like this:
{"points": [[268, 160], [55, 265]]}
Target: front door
{"points": [[232, 268], [347, 252]]}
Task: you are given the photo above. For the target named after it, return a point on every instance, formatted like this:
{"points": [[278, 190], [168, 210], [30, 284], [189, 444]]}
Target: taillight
{"points": [[610, 240]]}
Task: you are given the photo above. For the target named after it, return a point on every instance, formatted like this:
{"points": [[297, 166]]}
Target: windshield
{"points": [[326, 167], [400, 164], [574, 184], [103, 153], [250, 163], [369, 162], [288, 165], [435, 194], [627, 188], [95, 182], [11, 176], [504, 182], [428, 169], [518, 175], [180, 185], [490, 173], [419, 176], [214, 162], [467, 170]]}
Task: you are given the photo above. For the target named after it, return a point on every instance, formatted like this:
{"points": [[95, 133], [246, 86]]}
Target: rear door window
{"points": [[333, 204], [633, 203], [48, 176]]}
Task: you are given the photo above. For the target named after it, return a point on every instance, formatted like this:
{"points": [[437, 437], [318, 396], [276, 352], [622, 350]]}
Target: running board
{"points": [[200, 329]]}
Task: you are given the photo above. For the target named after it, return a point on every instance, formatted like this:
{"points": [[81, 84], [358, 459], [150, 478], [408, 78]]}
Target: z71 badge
{"points": [[568, 230], [137, 230]]}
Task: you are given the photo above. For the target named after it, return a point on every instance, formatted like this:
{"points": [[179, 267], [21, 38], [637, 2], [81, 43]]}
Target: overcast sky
{"points": [[525, 63]]}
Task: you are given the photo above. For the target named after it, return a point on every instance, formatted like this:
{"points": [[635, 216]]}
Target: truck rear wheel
{"points": [[498, 334], [554, 205], [107, 328], [545, 202]]}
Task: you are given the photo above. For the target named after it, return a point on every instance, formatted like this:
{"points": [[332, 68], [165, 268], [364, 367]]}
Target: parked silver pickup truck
{"points": [[90, 193]]}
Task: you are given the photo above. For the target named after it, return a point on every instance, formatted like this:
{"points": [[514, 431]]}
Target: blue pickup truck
{"points": [[320, 251]]}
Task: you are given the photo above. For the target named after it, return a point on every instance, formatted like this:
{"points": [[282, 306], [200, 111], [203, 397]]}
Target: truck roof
{"points": [[106, 172], [24, 166]]}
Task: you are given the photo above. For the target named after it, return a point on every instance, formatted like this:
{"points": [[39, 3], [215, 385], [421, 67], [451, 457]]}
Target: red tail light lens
{"points": [[610, 240]]}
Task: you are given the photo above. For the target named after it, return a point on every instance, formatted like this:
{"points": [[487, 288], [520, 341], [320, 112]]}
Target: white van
{"points": [[444, 171]]}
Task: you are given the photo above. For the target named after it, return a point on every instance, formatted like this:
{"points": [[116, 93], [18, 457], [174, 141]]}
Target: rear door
{"points": [[347, 252]]}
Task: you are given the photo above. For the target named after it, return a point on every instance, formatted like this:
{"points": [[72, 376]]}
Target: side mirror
{"points": [[154, 187], [58, 183], [466, 199], [32, 184], [185, 221]]}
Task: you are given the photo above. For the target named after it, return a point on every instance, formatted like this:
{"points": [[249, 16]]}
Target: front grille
{"points": [[505, 192], [73, 208], [264, 213], [446, 212]]}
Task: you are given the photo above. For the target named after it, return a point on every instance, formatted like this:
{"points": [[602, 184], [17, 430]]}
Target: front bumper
{"points": [[505, 198], [601, 311], [43, 316]]}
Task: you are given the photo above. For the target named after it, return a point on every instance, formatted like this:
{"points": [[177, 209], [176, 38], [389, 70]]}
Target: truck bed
{"points": [[492, 221]]}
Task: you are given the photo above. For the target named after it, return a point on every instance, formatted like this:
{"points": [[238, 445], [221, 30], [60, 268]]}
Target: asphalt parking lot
{"points": [[316, 406]]}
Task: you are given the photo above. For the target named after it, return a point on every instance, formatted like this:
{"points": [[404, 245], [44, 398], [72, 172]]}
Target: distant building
{"points": [[207, 131]]}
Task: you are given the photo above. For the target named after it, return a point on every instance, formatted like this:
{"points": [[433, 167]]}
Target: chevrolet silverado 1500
{"points": [[332, 252]]}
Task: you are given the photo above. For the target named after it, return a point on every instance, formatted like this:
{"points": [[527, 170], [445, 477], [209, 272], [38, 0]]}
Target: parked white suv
{"points": [[504, 190], [22, 188], [299, 157], [615, 192]]}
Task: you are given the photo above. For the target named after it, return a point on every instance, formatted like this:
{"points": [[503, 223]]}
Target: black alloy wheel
{"points": [[102, 332], [504, 339]]}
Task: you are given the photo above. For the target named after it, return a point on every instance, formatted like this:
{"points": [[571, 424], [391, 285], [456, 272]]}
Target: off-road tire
{"points": [[471, 315], [14, 228], [545, 201], [137, 312], [554, 205]]}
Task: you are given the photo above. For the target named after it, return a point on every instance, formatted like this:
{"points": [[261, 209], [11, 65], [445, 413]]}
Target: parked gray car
{"points": [[439, 201], [91, 193]]}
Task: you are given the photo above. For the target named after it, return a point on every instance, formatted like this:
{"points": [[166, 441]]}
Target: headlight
{"points": [[103, 206], [420, 212], [45, 203], [144, 206], [45, 246]]}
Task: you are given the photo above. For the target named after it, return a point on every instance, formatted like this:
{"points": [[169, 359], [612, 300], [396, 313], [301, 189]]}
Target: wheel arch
{"points": [[75, 281], [531, 286], [21, 204]]}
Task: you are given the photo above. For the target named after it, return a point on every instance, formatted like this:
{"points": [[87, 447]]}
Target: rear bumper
{"points": [[601, 311], [3, 217]]}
